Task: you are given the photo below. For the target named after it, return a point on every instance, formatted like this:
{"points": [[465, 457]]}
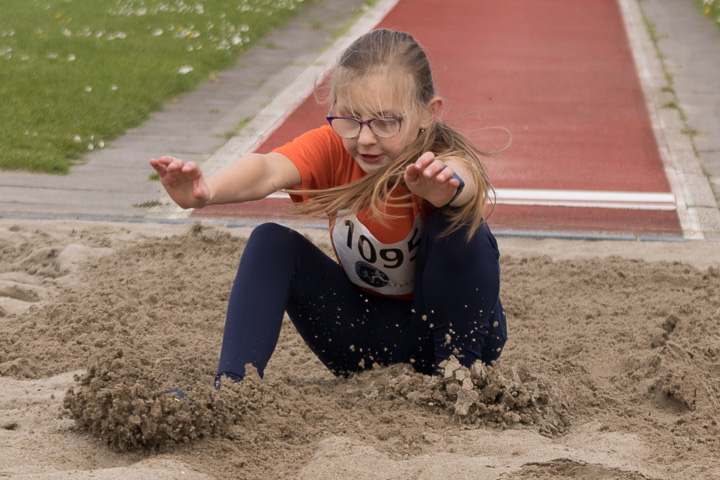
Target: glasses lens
{"points": [[345, 127], [385, 127]]}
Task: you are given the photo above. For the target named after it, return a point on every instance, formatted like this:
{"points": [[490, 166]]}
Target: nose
{"points": [[366, 136]]}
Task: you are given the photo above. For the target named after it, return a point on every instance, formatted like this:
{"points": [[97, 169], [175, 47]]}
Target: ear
{"points": [[435, 107]]}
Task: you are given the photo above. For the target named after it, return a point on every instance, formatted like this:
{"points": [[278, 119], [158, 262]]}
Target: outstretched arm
{"points": [[251, 177], [432, 179]]}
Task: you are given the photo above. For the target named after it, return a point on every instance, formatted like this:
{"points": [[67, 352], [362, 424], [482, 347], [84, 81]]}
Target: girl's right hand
{"points": [[183, 181]]}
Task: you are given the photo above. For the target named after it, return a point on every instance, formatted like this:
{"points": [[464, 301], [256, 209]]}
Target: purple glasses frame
{"points": [[399, 119]]}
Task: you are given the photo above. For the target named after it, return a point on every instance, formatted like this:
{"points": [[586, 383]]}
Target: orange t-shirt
{"points": [[377, 256]]}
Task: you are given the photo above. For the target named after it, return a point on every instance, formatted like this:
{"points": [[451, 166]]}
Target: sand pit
{"points": [[612, 369]]}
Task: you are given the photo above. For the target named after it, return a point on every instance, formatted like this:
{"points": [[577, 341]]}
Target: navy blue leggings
{"points": [[455, 308]]}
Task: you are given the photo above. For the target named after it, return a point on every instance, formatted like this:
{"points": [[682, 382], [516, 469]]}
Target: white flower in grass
{"points": [[184, 70], [113, 88], [91, 146], [157, 32], [77, 139], [88, 88], [236, 40], [66, 32], [71, 58], [101, 144], [52, 56], [115, 35]]}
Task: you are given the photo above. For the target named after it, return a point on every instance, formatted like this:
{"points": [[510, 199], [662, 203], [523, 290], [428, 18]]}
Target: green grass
{"points": [[150, 204], [711, 9], [75, 74]]}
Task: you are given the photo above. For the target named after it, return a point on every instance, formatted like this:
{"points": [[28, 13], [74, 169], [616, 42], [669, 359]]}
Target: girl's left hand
{"points": [[430, 179]]}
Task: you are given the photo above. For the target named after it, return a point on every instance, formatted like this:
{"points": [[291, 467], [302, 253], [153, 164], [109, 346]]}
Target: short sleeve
{"points": [[321, 159]]}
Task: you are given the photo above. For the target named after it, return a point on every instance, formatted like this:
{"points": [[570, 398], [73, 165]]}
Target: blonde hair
{"points": [[399, 57]]}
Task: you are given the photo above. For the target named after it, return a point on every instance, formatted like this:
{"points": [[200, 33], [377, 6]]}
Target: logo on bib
{"points": [[371, 275]]}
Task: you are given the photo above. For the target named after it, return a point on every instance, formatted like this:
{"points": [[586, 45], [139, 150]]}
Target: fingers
{"points": [[159, 167], [427, 163], [162, 164], [430, 167], [174, 164], [163, 161], [168, 161], [167, 164]]}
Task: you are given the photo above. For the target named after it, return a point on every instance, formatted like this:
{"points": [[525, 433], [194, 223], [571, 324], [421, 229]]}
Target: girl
{"points": [[418, 273]]}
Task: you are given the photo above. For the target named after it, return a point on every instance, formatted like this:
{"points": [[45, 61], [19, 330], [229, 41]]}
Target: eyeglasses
{"points": [[383, 127]]}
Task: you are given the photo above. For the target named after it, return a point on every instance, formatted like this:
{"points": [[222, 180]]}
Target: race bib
{"points": [[388, 269]]}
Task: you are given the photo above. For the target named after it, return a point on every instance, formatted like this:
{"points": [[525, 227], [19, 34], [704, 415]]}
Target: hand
{"points": [[183, 181], [431, 179]]}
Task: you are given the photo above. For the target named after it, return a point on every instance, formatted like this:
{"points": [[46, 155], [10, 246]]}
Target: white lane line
{"points": [[584, 198], [577, 198]]}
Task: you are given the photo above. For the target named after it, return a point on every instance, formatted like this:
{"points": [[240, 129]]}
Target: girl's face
{"points": [[371, 98]]}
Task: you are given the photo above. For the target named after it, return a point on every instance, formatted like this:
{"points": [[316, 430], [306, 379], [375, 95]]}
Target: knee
{"points": [[271, 244], [475, 264], [455, 246], [270, 234], [268, 230], [267, 243]]}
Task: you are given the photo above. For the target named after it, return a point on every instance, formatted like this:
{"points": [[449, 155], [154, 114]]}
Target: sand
{"points": [[612, 369]]}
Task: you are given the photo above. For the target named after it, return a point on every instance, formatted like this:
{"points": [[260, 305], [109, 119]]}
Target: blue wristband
{"points": [[459, 189]]}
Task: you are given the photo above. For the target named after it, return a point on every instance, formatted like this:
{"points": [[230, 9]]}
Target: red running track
{"points": [[560, 77]]}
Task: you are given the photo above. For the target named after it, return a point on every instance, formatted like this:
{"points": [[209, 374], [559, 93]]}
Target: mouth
{"points": [[370, 158]]}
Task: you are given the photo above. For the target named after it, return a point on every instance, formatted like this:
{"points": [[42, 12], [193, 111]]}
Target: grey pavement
{"points": [[688, 50], [205, 125], [690, 46]]}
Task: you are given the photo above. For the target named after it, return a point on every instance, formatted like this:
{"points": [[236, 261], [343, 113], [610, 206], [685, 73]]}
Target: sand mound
{"points": [[125, 399], [120, 402]]}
